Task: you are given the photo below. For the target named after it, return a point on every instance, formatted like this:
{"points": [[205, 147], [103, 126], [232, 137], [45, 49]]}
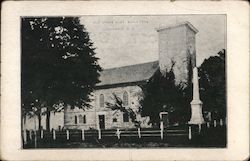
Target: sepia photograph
{"points": [[123, 81]]}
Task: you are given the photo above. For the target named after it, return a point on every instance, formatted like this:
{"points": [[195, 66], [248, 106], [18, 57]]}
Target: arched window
{"points": [[101, 100], [125, 98], [76, 120], [80, 119], [84, 119]]}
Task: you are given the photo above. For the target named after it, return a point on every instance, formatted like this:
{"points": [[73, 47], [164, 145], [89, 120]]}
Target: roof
{"points": [[179, 24], [128, 74]]}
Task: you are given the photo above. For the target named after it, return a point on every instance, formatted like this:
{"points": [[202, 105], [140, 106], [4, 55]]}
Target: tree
{"points": [[213, 85], [118, 105], [58, 63], [162, 94], [31, 107]]}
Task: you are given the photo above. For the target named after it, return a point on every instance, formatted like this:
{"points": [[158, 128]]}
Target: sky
{"points": [[129, 40]]}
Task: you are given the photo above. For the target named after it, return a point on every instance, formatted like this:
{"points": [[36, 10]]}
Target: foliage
{"points": [[118, 105], [58, 62], [162, 94], [213, 84]]}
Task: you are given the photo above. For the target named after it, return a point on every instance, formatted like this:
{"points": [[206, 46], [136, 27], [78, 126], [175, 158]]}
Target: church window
{"points": [[82, 119], [76, 120], [101, 100], [125, 117], [125, 98]]}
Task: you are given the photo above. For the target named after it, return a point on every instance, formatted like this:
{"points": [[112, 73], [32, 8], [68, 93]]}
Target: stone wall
{"points": [[92, 114], [175, 44]]}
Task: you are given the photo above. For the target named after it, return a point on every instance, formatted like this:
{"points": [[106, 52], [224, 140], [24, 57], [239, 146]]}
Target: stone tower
{"points": [[177, 45]]}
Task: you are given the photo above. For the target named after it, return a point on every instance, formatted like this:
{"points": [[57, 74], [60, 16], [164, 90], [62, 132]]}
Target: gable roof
{"points": [[128, 74]]}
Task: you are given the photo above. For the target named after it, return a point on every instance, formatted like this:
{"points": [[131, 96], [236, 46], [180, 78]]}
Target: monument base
{"points": [[196, 116]]}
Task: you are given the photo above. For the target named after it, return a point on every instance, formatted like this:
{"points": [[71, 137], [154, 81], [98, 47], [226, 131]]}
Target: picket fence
{"points": [[84, 135], [78, 135]]}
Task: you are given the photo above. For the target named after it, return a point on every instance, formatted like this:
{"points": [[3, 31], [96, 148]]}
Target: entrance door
{"points": [[101, 121]]}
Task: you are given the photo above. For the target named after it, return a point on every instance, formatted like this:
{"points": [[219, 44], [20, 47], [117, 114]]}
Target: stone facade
{"points": [[112, 118]]}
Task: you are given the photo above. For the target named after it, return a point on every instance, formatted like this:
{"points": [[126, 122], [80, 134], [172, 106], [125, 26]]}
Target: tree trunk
{"points": [[23, 126], [39, 121], [48, 120]]}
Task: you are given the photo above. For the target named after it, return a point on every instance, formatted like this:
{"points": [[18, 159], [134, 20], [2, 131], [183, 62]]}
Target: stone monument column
{"points": [[196, 104]]}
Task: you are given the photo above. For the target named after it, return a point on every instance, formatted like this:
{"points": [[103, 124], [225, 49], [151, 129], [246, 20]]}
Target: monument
{"points": [[196, 104]]}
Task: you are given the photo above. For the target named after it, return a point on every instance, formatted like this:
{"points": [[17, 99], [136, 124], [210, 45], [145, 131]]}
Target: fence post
{"points": [[161, 134], [54, 134], [199, 125], [215, 123], [83, 137], [208, 124], [189, 133], [139, 132], [41, 133], [67, 134], [221, 122], [162, 128], [118, 133], [99, 134]]}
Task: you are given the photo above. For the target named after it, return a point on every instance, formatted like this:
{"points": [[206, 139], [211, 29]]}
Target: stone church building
{"points": [[176, 43]]}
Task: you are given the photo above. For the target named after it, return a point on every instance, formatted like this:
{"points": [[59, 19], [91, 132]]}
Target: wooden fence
{"points": [[86, 135], [186, 131]]}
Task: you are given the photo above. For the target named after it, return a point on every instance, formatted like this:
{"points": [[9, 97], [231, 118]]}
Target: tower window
{"points": [[101, 100], [125, 98]]}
